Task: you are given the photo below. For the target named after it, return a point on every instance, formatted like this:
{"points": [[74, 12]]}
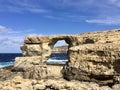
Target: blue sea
{"points": [[7, 59]]}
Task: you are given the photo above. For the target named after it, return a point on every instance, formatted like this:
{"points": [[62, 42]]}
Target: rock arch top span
{"points": [[42, 45]]}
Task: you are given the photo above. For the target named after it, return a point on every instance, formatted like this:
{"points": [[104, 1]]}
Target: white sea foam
{"points": [[49, 61], [4, 64], [55, 61]]}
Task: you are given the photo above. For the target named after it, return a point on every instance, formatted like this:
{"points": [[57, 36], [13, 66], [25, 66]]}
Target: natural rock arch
{"points": [[89, 54], [43, 45], [59, 55], [53, 41], [38, 49]]}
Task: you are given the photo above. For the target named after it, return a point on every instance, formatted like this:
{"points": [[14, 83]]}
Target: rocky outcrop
{"points": [[18, 83], [92, 57], [96, 59]]}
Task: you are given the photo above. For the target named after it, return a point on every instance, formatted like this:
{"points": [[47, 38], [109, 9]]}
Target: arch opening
{"points": [[59, 54]]}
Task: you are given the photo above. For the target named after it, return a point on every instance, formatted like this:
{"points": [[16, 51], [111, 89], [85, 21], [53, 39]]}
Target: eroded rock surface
{"points": [[92, 57], [18, 83], [98, 61]]}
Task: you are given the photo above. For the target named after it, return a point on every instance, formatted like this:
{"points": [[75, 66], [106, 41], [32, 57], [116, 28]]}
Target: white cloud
{"points": [[78, 3], [90, 11], [10, 44], [6, 30], [34, 34], [21, 6], [115, 2], [10, 40], [36, 10], [54, 17], [106, 21], [66, 17]]}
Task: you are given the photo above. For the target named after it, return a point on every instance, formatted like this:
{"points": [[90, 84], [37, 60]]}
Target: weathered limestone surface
{"points": [[18, 83], [34, 68], [98, 61], [92, 57]]}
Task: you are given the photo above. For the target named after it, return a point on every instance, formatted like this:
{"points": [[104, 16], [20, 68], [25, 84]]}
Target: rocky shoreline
{"points": [[93, 64], [11, 80], [18, 83]]}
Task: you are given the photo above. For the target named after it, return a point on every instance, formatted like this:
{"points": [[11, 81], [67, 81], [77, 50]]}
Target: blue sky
{"points": [[19, 18]]}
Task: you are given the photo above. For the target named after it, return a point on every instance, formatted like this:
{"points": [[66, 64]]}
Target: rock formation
{"points": [[92, 57], [18, 83]]}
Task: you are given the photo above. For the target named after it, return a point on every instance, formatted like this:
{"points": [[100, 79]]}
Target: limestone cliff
{"points": [[92, 57]]}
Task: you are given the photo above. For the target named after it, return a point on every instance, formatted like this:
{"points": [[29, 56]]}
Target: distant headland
{"points": [[60, 49]]}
